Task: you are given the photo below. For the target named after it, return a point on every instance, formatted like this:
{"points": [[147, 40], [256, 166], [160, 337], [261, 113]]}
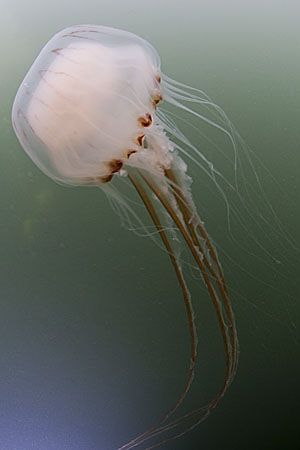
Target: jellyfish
{"points": [[88, 113]]}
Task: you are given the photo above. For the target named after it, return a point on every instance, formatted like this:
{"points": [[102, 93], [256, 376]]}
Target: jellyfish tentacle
{"points": [[189, 311], [160, 228], [196, 228], [223, 325], [199, 260], [174, 198]]}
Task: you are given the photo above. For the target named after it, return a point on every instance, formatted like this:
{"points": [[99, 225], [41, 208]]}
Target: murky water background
{"points": [[94, 345]]}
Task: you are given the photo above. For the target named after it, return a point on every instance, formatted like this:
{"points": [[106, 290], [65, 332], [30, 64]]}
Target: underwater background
{"points": [[94, 343]]}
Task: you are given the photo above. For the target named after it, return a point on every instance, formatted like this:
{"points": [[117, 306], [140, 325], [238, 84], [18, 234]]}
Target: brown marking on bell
{"points": [[130, 152], [156, 98], [106, 178], [56, 50], [158, 78], [25, 135], [146, 120], [115, 165], [88, 30], [139, 139]]}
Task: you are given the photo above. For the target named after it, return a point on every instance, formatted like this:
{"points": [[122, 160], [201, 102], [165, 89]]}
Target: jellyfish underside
{"points": [[88, 110]]}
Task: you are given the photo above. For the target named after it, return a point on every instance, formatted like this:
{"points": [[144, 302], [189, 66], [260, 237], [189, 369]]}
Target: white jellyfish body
{"points": [[85, 103], [88, 107]]}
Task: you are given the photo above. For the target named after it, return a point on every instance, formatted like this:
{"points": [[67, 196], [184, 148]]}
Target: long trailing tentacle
{"points": [[225, 319], [198, 232], [191, 230], [189, 311], [198, 256]]}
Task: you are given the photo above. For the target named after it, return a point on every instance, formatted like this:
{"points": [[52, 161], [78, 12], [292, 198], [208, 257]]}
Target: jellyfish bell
{"points": [[83, 108], [88, 109]]}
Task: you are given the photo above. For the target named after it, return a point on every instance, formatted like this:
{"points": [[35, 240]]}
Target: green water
{"points": [[94, 344]]}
